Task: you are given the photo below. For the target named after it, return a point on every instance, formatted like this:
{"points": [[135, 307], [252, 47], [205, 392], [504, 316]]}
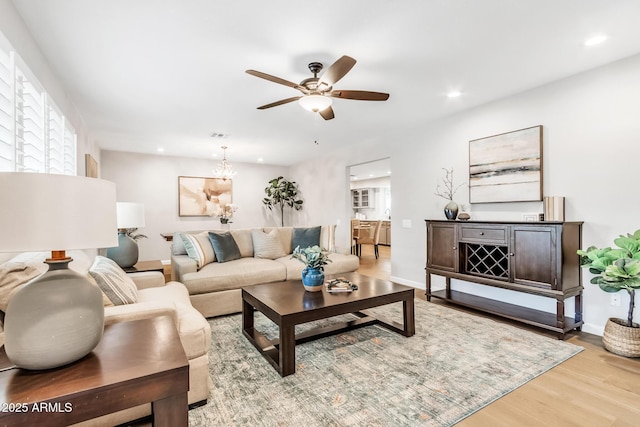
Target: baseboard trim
{"points": [[411, 283]]}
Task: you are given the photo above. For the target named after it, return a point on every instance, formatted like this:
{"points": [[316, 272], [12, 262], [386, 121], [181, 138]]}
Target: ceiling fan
{"points": [[318, 91]]}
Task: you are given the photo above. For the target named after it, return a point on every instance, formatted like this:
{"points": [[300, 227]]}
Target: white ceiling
{"points": [[167, 73]]}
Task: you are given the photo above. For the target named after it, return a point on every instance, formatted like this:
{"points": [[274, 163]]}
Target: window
{"points": [[34, 134]]}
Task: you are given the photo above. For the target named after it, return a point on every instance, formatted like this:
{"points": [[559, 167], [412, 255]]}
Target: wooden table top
{"points": [[290, 297], [134, 352]]}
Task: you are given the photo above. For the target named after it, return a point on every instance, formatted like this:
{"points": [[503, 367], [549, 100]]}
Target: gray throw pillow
{"points": [[224, 246], [306, 237]]}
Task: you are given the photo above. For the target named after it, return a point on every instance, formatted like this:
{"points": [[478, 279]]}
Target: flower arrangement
{"points": [[225, 212], [313, 256], [447, 190]]}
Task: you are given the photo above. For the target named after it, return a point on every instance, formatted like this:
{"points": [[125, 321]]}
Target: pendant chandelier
{"points": [[224, 170]]}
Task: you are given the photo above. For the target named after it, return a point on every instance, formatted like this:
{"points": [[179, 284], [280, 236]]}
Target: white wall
{"points": [[591, 150], [153, 181]]}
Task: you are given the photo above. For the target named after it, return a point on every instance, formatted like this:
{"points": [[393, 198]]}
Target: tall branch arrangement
{"points": [[446, 190], [282, 193]]}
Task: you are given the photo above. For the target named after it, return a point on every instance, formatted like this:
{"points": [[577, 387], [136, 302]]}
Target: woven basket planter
{"points": [[621, 339]]}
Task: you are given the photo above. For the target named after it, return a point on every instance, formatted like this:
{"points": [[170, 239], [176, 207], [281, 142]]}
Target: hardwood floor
{"points": [[594, 388]]}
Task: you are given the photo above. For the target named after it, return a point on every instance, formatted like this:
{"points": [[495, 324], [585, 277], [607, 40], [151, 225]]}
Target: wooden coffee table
{"points": [[287, 304], [136, 362]]}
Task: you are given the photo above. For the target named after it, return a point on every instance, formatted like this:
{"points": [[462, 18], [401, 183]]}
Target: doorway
{"points": [[370, 201]]}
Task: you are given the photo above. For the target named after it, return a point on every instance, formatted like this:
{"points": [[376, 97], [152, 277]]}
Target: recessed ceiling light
{"points": [[214, 155], [595, 40], [160, 150], [260, 160], [454, 94], [389, 172]]}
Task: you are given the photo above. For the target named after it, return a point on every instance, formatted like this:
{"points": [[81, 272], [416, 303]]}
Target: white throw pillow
{"points": [[113, 281], [267, 245]]}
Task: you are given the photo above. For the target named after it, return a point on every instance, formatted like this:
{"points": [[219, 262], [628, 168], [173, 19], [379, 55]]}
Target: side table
{"points": [[140, 266], [136, 362]]}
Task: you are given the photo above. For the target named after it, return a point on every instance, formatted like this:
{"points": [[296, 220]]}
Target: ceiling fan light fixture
{"points": [[315, 102]]}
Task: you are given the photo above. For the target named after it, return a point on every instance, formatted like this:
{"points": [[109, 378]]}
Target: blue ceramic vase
{"points": [[312, 279]]}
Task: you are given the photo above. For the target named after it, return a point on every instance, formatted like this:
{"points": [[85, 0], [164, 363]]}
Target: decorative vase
{"points": [[312, 279], [621, 339], [55, 319], [224, 220], [451, 210], [126, 253]]}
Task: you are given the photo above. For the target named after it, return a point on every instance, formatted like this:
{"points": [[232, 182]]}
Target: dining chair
{"points": [[370, 238]]}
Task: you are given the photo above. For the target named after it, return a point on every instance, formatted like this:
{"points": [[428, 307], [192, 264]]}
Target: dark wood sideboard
{"points": [[537, 258]]}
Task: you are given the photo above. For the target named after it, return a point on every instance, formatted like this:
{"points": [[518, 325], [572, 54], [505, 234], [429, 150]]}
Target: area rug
{"points": [[455, 364]]}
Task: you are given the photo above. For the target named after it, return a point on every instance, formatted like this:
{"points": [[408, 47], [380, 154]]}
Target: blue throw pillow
{"points": [[224, 246], [306, 237]]}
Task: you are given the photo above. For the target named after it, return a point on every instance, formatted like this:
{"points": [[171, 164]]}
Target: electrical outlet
{"points": [[615, 300]]}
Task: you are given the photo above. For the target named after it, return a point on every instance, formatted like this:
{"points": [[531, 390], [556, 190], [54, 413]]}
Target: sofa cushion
{"points": [[234, 275], [267, 244], [224, 246], [306, 237], [340, 263], [194, 330], [199, 248], [285, 234], [113, 282], [244, 241]]}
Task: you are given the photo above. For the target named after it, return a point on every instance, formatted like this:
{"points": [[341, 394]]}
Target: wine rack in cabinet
{"points": [[537, 258]]}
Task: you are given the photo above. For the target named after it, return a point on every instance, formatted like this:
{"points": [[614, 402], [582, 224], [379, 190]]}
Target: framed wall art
{"points": [[506, 167], [90, 166], [199, 196]]}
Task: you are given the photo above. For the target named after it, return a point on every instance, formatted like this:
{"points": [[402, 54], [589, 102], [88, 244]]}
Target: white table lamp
{"points": [[130, 215], [58, 317]]}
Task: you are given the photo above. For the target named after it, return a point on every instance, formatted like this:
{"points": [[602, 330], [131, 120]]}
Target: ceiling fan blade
{"points": [[272, 78], [337, 71], [327, 113], [361, 95], [282, 101]]}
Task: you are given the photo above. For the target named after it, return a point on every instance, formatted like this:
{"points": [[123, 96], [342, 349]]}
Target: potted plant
{"points": [[280, 193], [315, 258], [616, 269], [225, 213]]}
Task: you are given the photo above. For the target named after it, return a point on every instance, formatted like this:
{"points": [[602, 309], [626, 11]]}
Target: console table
{"points": [[136, 362], [536, 258]]}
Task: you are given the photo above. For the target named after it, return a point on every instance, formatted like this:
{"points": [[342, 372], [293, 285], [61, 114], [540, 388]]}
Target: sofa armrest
{"points": [[141, 310], [147, 279], [181, 265]]}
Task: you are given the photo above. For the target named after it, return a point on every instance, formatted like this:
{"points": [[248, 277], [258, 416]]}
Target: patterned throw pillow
{"points": [[224, 246], [267, 245], [306, 237], [199, 248], [113, 282]]}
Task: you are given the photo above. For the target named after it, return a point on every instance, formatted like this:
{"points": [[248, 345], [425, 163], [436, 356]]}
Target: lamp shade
{"points": [[43, 212], [130, 215], [315, 103]]}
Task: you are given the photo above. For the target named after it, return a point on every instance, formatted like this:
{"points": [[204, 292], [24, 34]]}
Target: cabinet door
{"points": [[535, 255], [355, 198], [442, 246]]}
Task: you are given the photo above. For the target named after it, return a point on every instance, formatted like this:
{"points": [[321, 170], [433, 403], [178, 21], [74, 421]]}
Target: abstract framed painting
{"points": [[199, 196], [506, 167]]}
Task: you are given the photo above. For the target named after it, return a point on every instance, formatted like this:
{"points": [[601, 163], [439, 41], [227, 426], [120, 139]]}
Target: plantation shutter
{"points": [[30, 139], [6, 114], [69, 157], [55, 139]]}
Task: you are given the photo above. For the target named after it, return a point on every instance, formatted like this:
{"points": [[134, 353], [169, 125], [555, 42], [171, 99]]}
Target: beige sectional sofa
{"points": [[154, 298], [215, 287]]}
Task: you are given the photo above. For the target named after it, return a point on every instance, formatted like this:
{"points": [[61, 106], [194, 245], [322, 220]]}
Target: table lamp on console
{"points": [[130, 215], [58, 317]]}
